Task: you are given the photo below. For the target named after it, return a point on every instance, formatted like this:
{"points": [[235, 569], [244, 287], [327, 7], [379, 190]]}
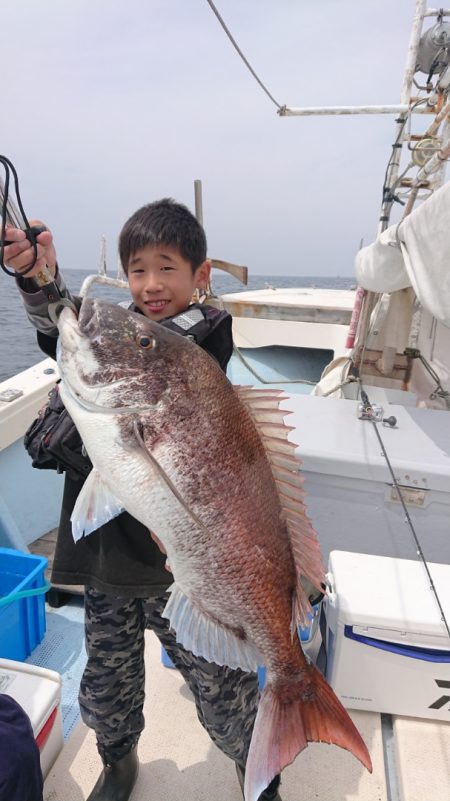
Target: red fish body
{"points": [[210, 470]]}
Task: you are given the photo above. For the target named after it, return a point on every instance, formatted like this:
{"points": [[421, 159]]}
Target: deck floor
{"points": [[178, 759], [411, 760]]}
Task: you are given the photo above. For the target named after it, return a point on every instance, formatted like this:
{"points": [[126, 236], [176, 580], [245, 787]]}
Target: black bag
{"points": [[53, 441]]}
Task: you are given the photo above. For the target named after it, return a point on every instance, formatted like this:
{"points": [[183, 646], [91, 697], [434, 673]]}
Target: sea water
{"points": [[18, 345]]}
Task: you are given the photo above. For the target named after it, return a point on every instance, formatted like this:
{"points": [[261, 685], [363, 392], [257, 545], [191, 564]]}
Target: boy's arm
{"points": [[36, 302], [19, 255]]}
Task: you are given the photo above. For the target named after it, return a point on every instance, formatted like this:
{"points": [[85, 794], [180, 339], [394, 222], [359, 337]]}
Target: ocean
{"points": [[18, 346]]}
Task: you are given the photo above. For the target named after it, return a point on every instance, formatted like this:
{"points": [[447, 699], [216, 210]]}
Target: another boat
{"points": [[366, 374]]}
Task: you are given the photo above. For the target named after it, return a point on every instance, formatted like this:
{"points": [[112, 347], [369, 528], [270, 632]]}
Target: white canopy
{"points": [[414, 253]]}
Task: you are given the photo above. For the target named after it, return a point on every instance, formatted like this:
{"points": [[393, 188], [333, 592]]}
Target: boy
{"points": [[162, 248]]}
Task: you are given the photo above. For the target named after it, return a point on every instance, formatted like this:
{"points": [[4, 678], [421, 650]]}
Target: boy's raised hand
{"points": [[20, 253]]}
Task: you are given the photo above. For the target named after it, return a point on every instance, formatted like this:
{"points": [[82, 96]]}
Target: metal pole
{"points": [[434, 12], [371, 298], [318, 111], [198, 201], [411, 61]]}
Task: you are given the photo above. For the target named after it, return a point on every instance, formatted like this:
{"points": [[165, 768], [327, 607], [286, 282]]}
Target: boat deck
{"points": [[411, 757], [179, 761], [299, 304], [316, 318]]}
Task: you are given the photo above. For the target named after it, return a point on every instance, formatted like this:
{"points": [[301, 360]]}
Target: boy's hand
{"points": [[161, 548], [20, 254]]}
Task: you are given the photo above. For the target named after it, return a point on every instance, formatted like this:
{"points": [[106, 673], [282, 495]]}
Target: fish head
{"points": [[111, 356]]}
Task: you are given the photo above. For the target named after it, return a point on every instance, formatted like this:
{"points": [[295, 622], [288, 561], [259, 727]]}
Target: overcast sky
{"points": [[107, 105]]}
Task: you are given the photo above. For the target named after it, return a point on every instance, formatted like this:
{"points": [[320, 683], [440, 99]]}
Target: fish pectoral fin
{"points": [[199, 633], [165, 478], [95, 506]]}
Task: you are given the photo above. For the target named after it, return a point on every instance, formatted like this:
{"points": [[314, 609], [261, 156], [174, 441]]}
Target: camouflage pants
{"points": [[112, 687]]}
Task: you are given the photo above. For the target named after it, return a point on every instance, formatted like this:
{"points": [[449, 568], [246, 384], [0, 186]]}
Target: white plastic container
{"points": [[387, 648], [348, 485], [38, 691]]}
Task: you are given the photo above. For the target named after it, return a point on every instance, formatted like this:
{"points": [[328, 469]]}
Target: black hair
{"points": [[164, 222]]}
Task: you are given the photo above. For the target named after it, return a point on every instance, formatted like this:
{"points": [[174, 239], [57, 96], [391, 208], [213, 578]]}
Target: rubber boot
{"points": [[116, 781], [270, 793]]}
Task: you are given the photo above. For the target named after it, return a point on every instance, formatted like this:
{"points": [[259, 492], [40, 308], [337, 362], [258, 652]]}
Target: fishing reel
{"points": [[373, 412]]}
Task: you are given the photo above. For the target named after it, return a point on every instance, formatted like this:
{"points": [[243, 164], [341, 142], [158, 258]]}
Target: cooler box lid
{"points": [[332, 440], [390, 599], [36, 689]]}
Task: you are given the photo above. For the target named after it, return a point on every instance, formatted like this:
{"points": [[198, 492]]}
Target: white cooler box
{"points": [[38, 691], [387, 648]]}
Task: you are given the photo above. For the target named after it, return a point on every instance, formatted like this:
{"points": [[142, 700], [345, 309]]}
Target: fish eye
{"points": [[145, 342]]}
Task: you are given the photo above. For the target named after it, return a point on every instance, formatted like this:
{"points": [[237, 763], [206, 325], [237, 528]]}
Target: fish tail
{"points": [[289, 716]]}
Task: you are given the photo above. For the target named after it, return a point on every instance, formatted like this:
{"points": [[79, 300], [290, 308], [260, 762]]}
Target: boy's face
{"points": [[162, 282]]}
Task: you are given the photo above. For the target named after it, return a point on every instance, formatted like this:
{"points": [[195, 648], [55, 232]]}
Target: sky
{"points": [[108, 105]]}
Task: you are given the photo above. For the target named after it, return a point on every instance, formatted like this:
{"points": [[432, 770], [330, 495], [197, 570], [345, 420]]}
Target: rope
{"points": [[10, 213], [239, 51], [420, 553], [350, 380], [439, 391]]}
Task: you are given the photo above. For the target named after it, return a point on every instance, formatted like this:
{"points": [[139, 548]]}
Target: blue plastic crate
{"points": [[22, 603]]}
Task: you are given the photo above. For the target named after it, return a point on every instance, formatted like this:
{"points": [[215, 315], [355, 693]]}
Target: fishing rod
{"points": [[374, 414], [15, 215]]}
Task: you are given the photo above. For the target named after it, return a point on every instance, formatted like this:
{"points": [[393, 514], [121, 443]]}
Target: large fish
{"points": [[209, 469]]}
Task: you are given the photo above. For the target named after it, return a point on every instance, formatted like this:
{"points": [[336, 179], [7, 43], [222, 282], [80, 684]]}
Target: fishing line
{"points": [[263, 380], [388, 192], [239, 51], [368, 406]]}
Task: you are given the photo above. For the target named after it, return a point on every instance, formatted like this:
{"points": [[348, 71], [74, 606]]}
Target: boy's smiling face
{"points": [[162, 282]]}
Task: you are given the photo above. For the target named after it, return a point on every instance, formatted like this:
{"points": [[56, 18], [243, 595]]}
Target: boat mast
{"points": [[236, 270]]}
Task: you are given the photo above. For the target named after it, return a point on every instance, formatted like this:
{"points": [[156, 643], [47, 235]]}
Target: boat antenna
{"points": [[239, 51]]}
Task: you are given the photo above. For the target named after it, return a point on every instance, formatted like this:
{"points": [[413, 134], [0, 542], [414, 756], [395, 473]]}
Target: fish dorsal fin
{"points": [[264, 408], [199, 633]]}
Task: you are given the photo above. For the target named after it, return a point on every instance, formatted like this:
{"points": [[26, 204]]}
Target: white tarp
{"points": [[414, 253]]}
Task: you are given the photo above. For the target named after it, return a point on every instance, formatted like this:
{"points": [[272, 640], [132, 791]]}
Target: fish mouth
{"points": [[55, 309], [77, 359], [65, 317], [73, 340]]}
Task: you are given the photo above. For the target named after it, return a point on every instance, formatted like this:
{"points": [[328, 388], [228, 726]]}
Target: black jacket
{"points": [[120, 558]]}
